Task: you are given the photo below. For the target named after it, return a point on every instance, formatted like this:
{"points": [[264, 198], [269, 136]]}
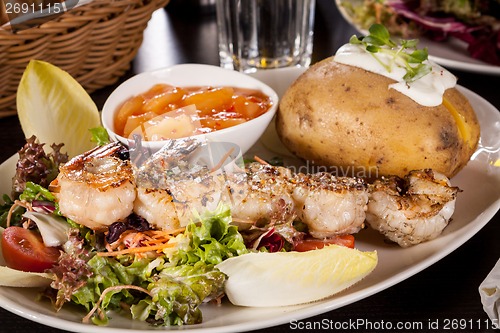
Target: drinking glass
{"points": [[261, 34]]}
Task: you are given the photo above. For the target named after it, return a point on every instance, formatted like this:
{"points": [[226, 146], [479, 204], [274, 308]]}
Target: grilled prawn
{"points": [[330, 205], [157, 207], [412, 210], [261, 192], [170, 188], [96, 188]]}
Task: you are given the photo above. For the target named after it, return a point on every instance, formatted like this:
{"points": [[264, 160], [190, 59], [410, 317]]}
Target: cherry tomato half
{"points": [[313, 244], [24, 250]]}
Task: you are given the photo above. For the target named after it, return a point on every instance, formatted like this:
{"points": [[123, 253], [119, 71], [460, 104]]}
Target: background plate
{"points": [[451, 53]]}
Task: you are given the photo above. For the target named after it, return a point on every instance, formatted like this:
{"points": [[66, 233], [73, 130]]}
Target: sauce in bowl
{"points": [[170, 112]]}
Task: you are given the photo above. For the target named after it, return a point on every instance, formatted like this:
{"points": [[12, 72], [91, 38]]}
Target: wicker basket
{"points": [[95, 43]]}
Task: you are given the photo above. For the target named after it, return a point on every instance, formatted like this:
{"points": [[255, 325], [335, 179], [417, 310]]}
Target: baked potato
{"points": [[347, 119]]}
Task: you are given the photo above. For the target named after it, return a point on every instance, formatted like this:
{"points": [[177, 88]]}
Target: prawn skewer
{"points": [[98, 188], [331, 206]]}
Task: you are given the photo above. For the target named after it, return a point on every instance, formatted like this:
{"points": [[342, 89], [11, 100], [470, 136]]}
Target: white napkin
{"points": [[489, 290]]}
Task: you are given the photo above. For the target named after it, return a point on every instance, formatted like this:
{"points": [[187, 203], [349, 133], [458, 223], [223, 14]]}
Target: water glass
{"points": [[261, 34]]}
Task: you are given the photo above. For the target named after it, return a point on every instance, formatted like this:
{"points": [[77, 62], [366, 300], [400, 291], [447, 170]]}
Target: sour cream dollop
{"points": [[427, 90]]}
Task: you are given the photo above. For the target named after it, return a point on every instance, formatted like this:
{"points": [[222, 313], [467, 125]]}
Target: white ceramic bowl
{"points": [[244, 135]]}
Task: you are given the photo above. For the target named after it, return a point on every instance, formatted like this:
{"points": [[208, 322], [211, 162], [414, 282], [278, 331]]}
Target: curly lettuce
{"points": [[177, 292], [36, 166], [210, 239]]}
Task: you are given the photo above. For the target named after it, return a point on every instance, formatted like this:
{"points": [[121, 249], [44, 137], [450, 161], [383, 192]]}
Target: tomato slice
{"points": [[313, 243], [24, 250]]}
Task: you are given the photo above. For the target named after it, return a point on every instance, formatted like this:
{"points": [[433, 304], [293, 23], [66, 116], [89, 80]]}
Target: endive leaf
{"points": [[262, 279], [13, 278], [52, 105]]}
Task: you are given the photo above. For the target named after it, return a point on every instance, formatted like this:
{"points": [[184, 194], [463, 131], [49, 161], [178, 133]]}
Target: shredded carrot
{"points": [[155, 241], [139, 249], [136, 240], [260, 160], [109, 247], [131, 241], [169, 232], [238, 220]]}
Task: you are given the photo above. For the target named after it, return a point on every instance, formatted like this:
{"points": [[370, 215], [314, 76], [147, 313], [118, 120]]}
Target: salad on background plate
{"points": [[463, 35]]}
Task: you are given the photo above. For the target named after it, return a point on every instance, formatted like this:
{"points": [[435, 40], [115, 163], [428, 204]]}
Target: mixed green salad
{"points": [[164, 289]]}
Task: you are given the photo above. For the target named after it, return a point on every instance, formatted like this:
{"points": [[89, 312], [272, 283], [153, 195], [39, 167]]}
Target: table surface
{"points": [[447, 290]]}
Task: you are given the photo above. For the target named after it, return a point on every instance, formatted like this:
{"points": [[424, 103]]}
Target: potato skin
{"points": [[347, 118]]}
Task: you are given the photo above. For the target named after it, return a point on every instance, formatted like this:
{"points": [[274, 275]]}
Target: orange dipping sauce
{"points": [[168, 112]]}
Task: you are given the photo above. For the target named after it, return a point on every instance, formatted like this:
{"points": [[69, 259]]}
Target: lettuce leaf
{"points": [[108, 272], [190, 278], [16, 214], [177, 294], [211, 239], [36, 192], [99, 136]]}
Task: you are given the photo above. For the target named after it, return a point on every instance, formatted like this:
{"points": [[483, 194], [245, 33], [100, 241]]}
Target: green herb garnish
{"points": [[99, 136], [404, 54]]}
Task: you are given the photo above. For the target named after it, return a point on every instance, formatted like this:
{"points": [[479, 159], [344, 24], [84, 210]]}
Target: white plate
{"points": [[451, 53], [476, 205]]}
